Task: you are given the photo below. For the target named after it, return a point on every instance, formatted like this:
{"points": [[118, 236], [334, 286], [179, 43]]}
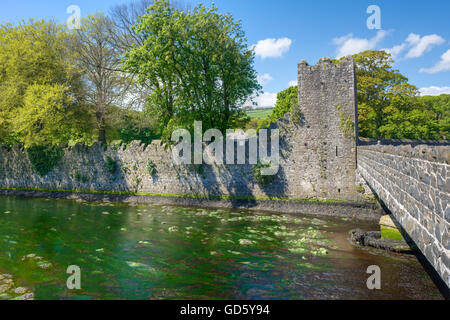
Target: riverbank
{"points": [[336, 208]]}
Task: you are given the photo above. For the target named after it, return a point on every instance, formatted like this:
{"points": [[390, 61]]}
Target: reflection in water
{"points": [[155, 252]]}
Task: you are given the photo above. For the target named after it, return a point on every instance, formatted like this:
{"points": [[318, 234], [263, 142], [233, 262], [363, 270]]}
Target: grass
{"points": [[259, 113]]}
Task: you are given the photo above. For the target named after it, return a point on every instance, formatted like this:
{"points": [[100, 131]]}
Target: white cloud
{"points": [[266, 100], [416, 44], [413, 39], [348, 45], [434, 91], [396, 50], [272, 48], [293, 83], [443, 65], [264, 79], [420, 45]]}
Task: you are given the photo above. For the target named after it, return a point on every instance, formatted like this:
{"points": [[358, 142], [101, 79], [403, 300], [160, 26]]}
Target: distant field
{"points": [[259, 113]]}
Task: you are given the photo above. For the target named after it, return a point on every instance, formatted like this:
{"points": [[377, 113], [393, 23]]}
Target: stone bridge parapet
{"points": [[411, 178]]}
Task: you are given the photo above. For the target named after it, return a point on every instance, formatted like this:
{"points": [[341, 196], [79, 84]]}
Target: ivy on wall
{"points": [[110, 165], [262, 180], [346, 125], [151, 168], [44, 158]]}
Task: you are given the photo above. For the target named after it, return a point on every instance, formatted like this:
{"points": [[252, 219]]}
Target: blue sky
{"points": [[288, 31]]}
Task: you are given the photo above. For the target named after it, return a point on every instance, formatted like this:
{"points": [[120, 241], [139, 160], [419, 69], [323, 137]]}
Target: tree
{"points": [[439, 108], [377, 83], [128, 125], [105, 83], [287, 100], [40, 90], [124, 36], [123, 18], [390, 107], [406, 117], [49, 116], [196, 63]]}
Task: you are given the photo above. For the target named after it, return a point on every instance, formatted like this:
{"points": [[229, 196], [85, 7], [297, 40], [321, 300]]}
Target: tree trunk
{"points": [[101, 128]]}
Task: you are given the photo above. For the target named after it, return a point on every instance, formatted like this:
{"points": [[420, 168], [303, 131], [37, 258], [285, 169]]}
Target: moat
{"points": [[165, 252]]}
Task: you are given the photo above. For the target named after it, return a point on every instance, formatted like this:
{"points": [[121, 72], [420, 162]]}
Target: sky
{"points": [[284, 32]]}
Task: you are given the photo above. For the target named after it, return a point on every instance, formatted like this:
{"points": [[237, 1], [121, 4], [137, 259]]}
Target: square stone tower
{"points": [[327, 101]]}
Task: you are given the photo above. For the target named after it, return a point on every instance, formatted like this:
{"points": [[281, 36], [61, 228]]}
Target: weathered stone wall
{"points": [[412, 180], [326, 147], [83, 168], [317, 154]]}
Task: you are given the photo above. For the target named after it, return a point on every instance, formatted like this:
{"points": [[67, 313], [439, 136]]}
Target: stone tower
{"points": [[327, 101]]}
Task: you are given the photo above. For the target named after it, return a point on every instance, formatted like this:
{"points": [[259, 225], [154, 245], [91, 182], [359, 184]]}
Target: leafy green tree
{"points": [[406, 117], [99, 59], [40, 90], [439, 107], [196, 63], [390, 107], [49, 116], [377, 83], [129, 125], [125, 16], [287, 100]]}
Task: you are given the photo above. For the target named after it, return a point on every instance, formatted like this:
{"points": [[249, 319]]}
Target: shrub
{"points": [[262, 180], [287, 102], [258, 124], [110, 165], [44, 158], [151, 167], [79, 177]]}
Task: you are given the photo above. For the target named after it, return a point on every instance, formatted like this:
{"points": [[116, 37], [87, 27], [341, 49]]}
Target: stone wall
{"points": [[412, 180], [317, 154], [326, 140]]}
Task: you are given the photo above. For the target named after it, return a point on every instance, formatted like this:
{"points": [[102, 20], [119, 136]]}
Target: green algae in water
{"points": [[168, 252]]}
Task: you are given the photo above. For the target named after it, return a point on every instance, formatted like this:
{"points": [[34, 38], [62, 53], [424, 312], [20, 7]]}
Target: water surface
{"points": [[163, 252]]}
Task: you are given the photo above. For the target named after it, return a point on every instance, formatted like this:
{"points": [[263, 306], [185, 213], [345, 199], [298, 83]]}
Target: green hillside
{"points": [[259, 113]]}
